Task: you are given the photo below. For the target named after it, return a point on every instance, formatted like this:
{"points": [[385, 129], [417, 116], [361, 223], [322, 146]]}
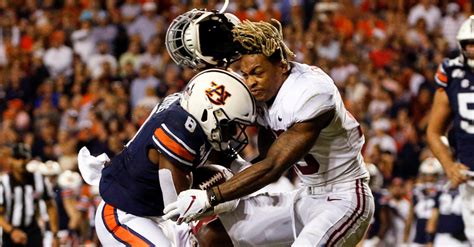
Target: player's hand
{"points": [[18, 236], [456, 174], [189, 205], [218, 209]]}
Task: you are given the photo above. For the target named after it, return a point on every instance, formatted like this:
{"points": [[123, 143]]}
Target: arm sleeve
{"points": [[441, 77], [169, 142], [311, 106]]}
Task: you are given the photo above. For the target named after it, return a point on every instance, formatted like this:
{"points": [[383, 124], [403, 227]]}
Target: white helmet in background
{"points": [[430, 166], [464, 37], [70, 180], [201, 39], [50, 168], [376, 177], [33, 166], [223, 106]]}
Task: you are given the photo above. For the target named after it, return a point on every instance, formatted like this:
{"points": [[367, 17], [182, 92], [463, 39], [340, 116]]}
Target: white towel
{"points": [[91, 166]]}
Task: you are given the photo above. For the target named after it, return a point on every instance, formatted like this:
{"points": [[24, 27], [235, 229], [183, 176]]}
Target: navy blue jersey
{"points": [[423, 203], [450, 220], [458, 81], [131, 181]]}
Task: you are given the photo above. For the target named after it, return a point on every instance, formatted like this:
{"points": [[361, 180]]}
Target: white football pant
{"points": [[467, 195], [117, 228], [331, 215], [445, 239]]}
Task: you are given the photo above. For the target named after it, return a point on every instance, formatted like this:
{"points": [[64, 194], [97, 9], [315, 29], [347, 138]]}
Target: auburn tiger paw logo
{"points": [[217, 94]]}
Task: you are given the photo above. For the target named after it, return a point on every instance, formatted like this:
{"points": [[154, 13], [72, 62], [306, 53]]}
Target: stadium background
{"points": [[85, 72]]}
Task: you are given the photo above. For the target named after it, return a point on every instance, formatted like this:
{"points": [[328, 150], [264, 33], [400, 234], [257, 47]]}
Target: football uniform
{"points": [[458, 81], [130, 186], [450, 228], [334, 205], [399, 211], [423, 204]]}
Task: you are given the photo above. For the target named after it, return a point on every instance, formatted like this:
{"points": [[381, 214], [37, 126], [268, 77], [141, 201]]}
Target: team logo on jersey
{"points": [[458, 73], [217, 94]]}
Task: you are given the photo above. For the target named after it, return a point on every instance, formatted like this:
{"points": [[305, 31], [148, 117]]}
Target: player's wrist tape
{"points": [[213, 197]]}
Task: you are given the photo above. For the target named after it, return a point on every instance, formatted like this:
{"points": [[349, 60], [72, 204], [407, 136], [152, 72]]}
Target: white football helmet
{"points": [[430, 166], [201, 39], [376, 177], [223, 106], [464, 37]]}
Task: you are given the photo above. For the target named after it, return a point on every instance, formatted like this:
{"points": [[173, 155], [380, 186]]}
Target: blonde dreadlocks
{"points": [[262, 37]]}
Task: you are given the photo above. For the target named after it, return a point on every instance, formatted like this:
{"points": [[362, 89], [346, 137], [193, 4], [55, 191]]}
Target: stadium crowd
{"points": [[79, 73]]}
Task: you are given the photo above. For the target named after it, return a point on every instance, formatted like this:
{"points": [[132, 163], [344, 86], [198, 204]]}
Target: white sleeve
{"points": [[313, 105]]}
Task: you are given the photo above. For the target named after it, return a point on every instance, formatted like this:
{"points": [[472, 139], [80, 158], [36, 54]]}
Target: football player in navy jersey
{"points": [[446, 227], [379, 224], [211, 113], [423, 201], [454, 104]]}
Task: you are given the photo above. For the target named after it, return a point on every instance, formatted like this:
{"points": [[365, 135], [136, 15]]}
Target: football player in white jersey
{"points": [[301, 105]]}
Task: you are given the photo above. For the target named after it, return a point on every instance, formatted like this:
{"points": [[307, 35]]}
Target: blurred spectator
{"points": [[104, 31], [426, 10], [145, 25], [129, 10], [58, 58], [139, 85], [96, 62], [82, 39], [151, 56], [451, 23], [131, 56]]}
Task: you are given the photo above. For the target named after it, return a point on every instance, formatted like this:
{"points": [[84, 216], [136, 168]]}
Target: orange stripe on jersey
{"points": [[172, 145], [118, 231], [441, 76]]}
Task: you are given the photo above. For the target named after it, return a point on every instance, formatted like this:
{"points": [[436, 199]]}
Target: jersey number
{"points": [[466, 101], [190, 124]]}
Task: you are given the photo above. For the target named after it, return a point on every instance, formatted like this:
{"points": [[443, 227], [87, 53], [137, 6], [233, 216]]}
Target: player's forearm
{"points": [[248, 181], [285, 151], [432, 222]]}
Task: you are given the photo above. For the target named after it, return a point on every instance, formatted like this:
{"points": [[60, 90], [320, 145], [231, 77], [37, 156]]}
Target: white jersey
{"points": [[336, 156]]}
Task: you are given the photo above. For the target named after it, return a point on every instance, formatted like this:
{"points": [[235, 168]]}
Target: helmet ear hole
{"points": [[204, 116]]}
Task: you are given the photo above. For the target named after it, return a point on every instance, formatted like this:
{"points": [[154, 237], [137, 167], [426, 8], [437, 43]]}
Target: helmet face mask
{"points": [[229, 133], [222, 105], [201, 39], [430, 171]]}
